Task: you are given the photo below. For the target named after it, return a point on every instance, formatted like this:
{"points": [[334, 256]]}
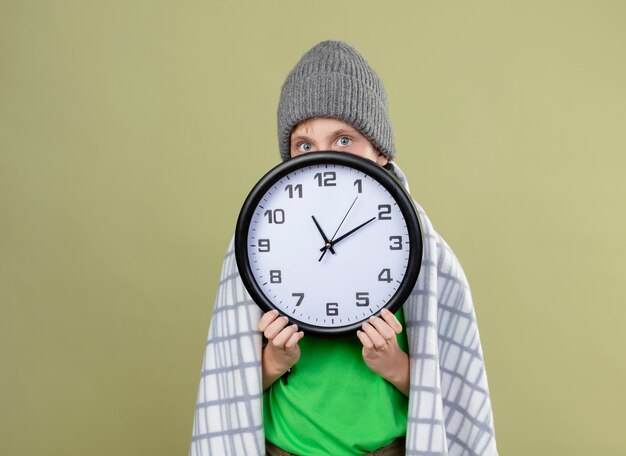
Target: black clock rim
{"points": [[389, 182]]}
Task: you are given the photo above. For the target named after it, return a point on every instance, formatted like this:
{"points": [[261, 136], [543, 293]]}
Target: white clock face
{"points": [[328, 245]]}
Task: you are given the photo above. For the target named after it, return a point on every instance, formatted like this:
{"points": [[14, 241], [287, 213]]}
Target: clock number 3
{"points": [[396, 243]]}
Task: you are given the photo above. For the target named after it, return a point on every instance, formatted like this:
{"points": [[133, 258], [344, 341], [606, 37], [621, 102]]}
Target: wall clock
{"points": [[328, 239]]}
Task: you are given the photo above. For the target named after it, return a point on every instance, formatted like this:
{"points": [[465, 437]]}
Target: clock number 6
{"points": [[332, 309]]}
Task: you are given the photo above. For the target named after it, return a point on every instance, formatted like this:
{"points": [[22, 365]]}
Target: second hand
{"points": [[329, 245]]}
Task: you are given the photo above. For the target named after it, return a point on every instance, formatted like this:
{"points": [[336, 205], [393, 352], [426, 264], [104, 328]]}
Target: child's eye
{"points": [[305, 147], [344, 141]]}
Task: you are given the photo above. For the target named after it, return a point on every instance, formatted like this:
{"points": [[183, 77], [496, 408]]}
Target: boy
{"points": [[423, 389]]}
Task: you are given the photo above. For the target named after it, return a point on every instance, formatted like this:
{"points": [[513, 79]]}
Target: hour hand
{"points": [[327, 244]]}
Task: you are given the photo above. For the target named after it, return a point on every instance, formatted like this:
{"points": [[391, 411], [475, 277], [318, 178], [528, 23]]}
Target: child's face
{"points": [[327, 133]]}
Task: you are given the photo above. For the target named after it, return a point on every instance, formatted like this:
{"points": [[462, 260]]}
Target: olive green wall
{"points": [[130, 132]]}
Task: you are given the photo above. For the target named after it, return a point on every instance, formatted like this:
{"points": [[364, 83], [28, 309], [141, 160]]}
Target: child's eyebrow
{"points": [[299, 137], [339, 131], [344, 131], [307, 136]]}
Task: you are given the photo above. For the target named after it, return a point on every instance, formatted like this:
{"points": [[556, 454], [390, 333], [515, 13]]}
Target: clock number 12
{"points": [[327, 180]]}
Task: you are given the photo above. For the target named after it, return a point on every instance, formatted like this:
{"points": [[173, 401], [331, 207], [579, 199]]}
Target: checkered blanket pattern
{"points": [[449, 405]]}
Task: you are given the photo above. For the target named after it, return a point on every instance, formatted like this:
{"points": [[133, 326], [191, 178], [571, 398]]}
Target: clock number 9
{"points": [[384, 212], [332, 309], [264, 245]]}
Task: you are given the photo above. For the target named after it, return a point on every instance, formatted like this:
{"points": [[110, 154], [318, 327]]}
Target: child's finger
{"points": [[283, 336], [293, 340], [391, 321], [266, 319], [365, 340], [378, 340], [383, 328], [275, 327]]}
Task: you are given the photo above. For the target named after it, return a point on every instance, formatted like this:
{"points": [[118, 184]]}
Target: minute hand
{"points": [[340, 238]]}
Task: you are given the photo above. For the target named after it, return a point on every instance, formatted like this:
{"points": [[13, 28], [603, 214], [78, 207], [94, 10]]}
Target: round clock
{"points": [[328, 239]]}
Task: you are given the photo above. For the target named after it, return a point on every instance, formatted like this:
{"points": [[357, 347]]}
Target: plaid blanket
{"points": [[449, 406]]}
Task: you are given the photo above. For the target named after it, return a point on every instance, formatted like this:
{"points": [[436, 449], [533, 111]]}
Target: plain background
{"points": [[131, 132]]}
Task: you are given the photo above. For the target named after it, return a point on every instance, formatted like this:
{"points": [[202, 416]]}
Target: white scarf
{"points": [[449, 406]]}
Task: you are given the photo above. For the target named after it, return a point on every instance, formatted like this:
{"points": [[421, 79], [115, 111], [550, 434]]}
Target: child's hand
{"points": [[282, 350], [381, 351]]}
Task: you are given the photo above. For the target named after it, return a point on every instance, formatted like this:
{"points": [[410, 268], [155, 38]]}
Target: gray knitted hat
{"points": [[334, 80]]}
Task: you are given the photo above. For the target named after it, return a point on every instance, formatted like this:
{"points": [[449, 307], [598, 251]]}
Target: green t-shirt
{"points": [[333, 404]]}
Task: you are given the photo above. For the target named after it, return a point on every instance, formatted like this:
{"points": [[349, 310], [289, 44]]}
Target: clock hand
{"points": [[344, 218], [327, 243], [342, 237], [330, 244]]}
